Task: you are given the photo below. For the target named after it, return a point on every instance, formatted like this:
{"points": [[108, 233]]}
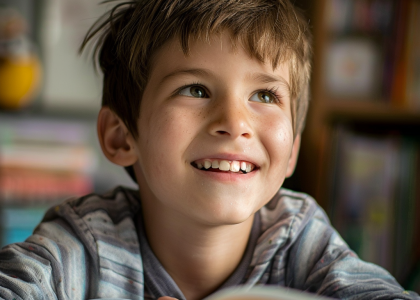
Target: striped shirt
{"points": [[91, 247]]}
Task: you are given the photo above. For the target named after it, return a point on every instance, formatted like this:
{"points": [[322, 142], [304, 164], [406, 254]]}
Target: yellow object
{"points": [[19, 80]]}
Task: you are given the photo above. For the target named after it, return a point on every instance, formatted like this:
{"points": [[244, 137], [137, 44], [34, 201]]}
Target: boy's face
{"points": [[217, 104]]}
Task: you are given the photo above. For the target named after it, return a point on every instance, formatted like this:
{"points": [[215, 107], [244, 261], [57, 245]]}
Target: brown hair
{"points": [[131, 32]]}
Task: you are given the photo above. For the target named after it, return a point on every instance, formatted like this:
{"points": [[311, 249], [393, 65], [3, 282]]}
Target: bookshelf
{"points": [[385, 113]]}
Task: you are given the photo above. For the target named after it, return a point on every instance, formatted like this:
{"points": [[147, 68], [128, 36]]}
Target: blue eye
{"points": [[264, 97], [195, 91]]}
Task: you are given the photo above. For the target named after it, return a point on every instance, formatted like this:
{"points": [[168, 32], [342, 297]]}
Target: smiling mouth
{"points": [[221, 165]]}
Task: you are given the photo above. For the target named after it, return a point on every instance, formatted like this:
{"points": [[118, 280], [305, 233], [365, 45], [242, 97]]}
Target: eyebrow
{"points": [[260, 77], [265, 78], [195, 72]]}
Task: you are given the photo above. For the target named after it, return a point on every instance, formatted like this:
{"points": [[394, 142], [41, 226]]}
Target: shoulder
{"points": [[117, 204], [90, 243], [283, 220], [104, 224], [293, 208], [98, 218]]}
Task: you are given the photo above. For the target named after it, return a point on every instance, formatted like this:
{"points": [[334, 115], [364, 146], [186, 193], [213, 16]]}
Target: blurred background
{"points": [[49, 98], [360, 155]]}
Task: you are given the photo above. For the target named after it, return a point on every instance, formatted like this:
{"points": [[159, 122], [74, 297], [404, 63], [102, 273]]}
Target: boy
{"points": [[204, 103]]}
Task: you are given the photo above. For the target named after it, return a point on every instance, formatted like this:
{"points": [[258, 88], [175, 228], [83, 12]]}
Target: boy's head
{"points": [[206, 100]]}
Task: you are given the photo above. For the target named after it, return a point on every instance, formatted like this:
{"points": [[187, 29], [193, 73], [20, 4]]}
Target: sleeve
{"points": [[321, 262], [50, 264]]}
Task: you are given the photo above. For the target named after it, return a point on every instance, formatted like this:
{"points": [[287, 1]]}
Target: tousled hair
{"points": [[126, 38]]}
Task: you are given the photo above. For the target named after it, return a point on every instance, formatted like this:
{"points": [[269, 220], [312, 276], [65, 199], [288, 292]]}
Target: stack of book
{"points": [[42, 162]]}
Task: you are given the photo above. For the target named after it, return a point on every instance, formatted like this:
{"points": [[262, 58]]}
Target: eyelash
{"points": [[272, 91], [190, 85]]}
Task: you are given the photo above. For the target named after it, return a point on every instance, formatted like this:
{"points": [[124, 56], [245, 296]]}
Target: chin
{"points": [[228, 213]]}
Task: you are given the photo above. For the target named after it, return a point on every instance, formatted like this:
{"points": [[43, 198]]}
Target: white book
{"points": [[263, 293]]}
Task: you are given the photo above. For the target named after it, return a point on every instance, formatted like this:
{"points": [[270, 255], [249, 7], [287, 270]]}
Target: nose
{"points": [[231, 117]]}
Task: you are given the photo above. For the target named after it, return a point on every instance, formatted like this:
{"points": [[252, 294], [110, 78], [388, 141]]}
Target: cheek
{"points": [[164, 135], [156, 127], [278, 140]]}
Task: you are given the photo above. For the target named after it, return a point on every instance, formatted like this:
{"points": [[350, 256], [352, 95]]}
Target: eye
{"points": [[264, 97], [195, 91]]}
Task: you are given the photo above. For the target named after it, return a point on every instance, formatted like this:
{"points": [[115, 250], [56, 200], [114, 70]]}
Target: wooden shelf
{"points": [[370, 111]]}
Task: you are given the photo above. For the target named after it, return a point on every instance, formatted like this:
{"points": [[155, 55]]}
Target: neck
{"points": [[200, 257]]}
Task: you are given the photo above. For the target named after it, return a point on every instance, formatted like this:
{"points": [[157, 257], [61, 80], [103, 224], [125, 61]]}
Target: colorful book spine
{"points": [[375, 197]]}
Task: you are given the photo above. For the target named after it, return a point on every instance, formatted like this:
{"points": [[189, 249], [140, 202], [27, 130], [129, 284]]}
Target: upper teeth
{"points": [[225, 165]]}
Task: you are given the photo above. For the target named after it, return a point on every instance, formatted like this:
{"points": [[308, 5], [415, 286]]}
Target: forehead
{"points": [[215, 57]]}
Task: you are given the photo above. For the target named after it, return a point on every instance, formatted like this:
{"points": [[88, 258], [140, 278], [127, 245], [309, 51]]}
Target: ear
{"points": [[293, 157], [116, 141]]}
